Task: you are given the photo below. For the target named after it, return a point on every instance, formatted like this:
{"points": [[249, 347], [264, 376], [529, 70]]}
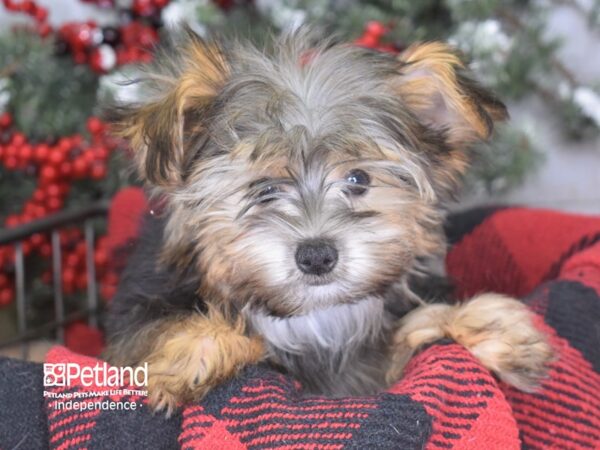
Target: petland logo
{"points": [[101, 375]]}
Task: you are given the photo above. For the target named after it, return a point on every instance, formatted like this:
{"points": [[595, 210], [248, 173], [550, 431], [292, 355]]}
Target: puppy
{"points": [[304, 188]]}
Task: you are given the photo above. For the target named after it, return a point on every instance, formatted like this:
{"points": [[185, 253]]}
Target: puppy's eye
{"points": [[266, 194], [358, 182]]}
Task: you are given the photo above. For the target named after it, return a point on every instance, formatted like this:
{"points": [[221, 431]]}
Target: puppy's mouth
{"points": [[314, 280]]}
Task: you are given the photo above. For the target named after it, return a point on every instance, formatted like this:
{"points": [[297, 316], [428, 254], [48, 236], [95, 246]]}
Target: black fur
{"points": [[149, 291]]}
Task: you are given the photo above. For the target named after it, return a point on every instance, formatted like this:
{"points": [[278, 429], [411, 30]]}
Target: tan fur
{"points": [[431, 87], [496, 329], [187, 356], [201, 71]]}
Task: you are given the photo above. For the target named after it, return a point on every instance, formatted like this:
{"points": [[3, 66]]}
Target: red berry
{"points": [[5, 120], [68, 278], [29, 209], [44, 29], [55, 203], [6, 296], [143, 7], [18, 139], [41, 14], [46, 250], [53, 190], [102, 242], [107, 291], [3, 280], [39, 195], [98, 171], [29, 6], [26, 218], [95, 125], [41, 152], [9, 255], [89, 155], [376, 29], [12, 221], [68, 275], [37, 240], [64, 145], [48, 174], [72, 260], [111, 278], [81, 249], [66, 169], [11, 151], [102, 153], [11, 162], [75, 234], [76, 140], [27, 247], [26, 153], [56, 157], [100, 257], [80, 167]]}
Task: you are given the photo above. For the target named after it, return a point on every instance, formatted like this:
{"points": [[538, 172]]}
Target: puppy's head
{"points": [[306, 176]]}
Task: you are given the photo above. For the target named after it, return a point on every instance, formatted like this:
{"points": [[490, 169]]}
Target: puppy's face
{"points": [[298, 228], [309, 177]]}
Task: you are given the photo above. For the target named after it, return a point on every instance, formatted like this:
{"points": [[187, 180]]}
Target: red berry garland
{"points": [[29, 7], [57, 166], [102, 48]]}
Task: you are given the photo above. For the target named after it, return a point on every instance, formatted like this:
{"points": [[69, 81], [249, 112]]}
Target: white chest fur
{"points": [[332, 330]]}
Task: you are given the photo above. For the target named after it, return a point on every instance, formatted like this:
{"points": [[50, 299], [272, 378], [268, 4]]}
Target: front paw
{"points": [[193, 355], [180, 373], [499, 331]]}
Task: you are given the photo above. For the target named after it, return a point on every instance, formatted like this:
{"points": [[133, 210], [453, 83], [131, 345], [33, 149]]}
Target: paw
{"points": [[179, 374], [421, 326], [499, 331], [194, 355]]}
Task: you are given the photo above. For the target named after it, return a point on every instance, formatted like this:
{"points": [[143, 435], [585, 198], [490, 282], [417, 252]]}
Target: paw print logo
{"points": [[55, 375]]}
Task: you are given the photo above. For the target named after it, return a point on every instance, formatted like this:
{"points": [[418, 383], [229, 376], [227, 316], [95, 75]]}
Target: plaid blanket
{"points": [[446, 399]]}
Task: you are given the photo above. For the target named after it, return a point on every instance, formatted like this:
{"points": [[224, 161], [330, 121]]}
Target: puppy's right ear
{"points": [[165, 131]]}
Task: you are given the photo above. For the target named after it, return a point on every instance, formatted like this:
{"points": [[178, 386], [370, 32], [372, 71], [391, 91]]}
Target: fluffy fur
{"points": [[256, 152]]}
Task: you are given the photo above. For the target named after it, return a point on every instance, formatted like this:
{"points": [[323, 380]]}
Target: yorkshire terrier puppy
{"points": [[304, 188]]}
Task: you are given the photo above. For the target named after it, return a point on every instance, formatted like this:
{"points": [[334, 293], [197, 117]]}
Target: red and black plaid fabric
{"points": [[446, 399]]}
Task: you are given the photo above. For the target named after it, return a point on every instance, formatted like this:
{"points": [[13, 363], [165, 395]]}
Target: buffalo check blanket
{"points": [[445, 400]]}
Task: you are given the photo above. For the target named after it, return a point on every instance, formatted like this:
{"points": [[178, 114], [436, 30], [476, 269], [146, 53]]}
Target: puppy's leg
{"points": [[188, 355], [498, 330]]}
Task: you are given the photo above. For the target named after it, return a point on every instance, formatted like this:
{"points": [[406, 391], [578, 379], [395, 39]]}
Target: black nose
{"points": [[316, 256]]}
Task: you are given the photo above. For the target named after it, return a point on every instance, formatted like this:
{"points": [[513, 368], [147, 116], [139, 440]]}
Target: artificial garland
{"points": [[58, 163], [56, 166], [102, 48]]}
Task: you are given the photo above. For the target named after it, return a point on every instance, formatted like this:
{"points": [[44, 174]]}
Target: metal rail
{"points": [[51, 224]]}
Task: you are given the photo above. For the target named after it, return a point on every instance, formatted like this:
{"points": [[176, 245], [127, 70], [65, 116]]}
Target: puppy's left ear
{"points": [[165, 132], [437, 88]]}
